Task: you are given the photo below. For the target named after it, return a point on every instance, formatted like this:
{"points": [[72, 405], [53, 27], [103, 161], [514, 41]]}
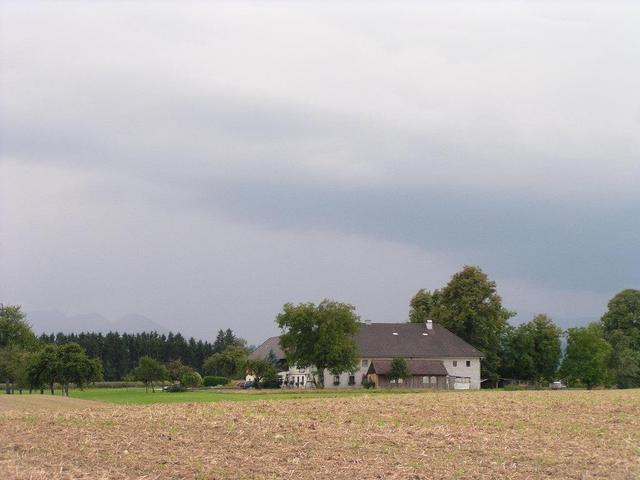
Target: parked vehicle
{"points": [[557, 385]]}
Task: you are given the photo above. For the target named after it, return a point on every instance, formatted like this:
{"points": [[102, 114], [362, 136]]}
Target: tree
{"points": [[470, 307], [531, 351], [546, 344], [423, 306], [623, 314], [517, 353], [16, 341], [322, 336], [191, 379], [75, 367], [226, 339], [586, 356], [624, 361], [621, 327], [399, 369], [176, 370], [45, 367], [227, 363], [12, 364], [260, 369], [14, 329], [149, 370], [22, 379]]}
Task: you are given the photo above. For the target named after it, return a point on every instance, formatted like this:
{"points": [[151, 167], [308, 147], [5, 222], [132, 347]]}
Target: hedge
{"points": [[212, 381]]}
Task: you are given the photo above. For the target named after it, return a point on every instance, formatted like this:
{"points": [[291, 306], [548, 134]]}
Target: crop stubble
{"points": [[466, 435]]}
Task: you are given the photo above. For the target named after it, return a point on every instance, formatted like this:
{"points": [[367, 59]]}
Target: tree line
{"points": [[605, 352], [121, 353], [29, 362]]}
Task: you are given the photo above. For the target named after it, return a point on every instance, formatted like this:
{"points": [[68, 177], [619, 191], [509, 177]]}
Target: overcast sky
{"points": [[203, 163]]}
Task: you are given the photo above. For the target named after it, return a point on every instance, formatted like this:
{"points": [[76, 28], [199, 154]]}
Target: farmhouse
{"points": [[436, 358]]}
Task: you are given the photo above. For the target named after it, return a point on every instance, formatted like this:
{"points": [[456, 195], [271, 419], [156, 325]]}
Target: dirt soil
{"points": [[434, 435]]}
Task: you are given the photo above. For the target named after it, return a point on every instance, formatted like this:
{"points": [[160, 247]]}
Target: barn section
{"points": [[424, 374]]}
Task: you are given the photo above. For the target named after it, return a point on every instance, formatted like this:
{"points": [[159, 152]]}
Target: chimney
{"points": [[429, 324]]}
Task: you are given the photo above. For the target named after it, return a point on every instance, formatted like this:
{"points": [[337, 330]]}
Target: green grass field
{"points": [[138, 395]]}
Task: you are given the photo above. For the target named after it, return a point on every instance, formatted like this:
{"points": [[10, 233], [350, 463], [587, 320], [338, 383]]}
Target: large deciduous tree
{"points": [[75, 367], [176, 370], [148, 371], [470, 307], [44, 370], [424, 306], [227, 363], [14, 329], [624, 361], [320, 335], [623, 314], [585, 359], [13, 366], [531, 351], [17, 340], [621, 326], [546, 344]]}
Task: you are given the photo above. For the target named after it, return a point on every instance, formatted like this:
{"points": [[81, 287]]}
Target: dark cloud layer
{"points": [[577, 244]]}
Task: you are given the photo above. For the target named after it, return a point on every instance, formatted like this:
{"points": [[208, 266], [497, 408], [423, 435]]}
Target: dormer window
{"points": [[395, 333]]}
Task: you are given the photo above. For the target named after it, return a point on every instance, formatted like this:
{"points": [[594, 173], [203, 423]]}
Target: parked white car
{"points": [[557, 385]]}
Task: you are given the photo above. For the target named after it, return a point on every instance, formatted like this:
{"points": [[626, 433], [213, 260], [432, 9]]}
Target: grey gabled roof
{"points": [[419, 366], [270, 344], [377, 340]]}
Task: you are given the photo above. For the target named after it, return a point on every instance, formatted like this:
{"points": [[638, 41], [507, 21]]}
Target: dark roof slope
{"points": [[270, 344], [377, 340], [408, 340], [416, 367]]}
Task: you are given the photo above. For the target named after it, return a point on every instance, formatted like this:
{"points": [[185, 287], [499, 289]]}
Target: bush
{"points": [[271, 381], [191, 379], [366, 383], [212, 381], [176, 387]]}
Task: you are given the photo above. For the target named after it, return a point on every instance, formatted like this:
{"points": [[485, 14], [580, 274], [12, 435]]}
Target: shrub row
{"points": [[212, 381]]}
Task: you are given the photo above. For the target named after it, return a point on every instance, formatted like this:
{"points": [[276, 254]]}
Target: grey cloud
{"points": [[508, 139], [581, 244]]}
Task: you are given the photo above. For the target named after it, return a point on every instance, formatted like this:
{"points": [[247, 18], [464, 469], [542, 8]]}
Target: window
{"points": [[352, 379], [455, 363], [434, 380], [336, 380], [425, 379], [400, 380], [365, 362], [468, 363], [302, 381]]}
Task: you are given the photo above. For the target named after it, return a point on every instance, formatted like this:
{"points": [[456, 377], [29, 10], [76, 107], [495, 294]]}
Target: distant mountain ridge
{"points": [[54, 321]]}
